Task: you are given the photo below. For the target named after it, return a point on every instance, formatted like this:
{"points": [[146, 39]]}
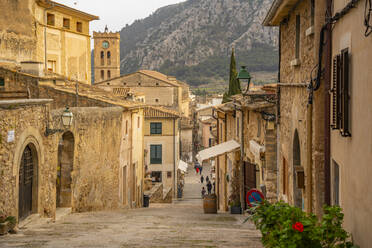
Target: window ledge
{"points": [[295, 62], [310, 31]]}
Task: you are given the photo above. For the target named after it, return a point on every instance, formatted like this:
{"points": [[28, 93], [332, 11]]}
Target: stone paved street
{"points": [[181, 224]]}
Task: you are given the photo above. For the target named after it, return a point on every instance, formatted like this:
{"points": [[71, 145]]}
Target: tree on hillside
{"points": [[234, 83]]}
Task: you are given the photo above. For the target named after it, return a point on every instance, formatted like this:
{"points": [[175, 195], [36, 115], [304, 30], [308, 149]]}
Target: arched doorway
{"points": [[297, 192], [64, 169], [27, 202]]}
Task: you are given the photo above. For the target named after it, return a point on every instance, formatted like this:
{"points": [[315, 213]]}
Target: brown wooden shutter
{"points": [[345, 98], [335, 92]]}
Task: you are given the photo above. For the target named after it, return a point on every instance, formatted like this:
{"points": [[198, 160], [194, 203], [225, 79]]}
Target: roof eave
{"points": [[278, 11], [75, 12]]}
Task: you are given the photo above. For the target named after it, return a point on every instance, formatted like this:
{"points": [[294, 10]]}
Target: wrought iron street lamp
{"points": [[244, 75], [67, 118]]}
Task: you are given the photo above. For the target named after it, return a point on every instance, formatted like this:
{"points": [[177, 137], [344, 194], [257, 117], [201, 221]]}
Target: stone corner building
{"points": [[300, 111]]}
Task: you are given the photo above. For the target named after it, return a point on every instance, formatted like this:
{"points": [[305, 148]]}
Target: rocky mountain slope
{"points": [[192, 40]]}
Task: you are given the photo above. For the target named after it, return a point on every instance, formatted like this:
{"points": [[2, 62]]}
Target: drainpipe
{"points": [[174, 156], [45, 38], [309, 147], [327, 103], [242, 174]]}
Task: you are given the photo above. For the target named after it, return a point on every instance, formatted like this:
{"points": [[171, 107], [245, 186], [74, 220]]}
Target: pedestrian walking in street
{"points": [[201, 169], [209, 187], [207, 179], [203, 192], [202, 179]]}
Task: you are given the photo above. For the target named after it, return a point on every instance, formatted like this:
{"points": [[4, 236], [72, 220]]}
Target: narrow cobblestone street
{"points": [[181, 224]]}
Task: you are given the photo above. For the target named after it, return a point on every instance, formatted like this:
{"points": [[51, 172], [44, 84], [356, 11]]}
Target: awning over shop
{"points": [[217, 150], [182, 166]]}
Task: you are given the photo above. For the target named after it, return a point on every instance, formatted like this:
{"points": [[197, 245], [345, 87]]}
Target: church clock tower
{"points": [[106, 55]]}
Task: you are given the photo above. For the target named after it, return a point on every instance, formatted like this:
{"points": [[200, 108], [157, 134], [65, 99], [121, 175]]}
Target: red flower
{"points": [[298, 226]]}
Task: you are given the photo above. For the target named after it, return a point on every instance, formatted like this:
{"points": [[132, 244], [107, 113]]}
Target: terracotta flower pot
{"points": [[4, 228]]}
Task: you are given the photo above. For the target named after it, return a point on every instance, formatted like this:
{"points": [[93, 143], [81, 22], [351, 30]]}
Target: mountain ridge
{"points": [[178, 38]]}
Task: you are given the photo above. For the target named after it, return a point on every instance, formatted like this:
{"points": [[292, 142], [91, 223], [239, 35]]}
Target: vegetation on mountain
{"points": [[190, 40]]}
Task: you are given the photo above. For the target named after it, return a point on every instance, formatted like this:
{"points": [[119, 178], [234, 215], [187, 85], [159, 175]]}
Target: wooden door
{"points": [[26, 174]]}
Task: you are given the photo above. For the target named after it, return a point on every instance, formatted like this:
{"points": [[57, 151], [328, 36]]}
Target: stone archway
{"points": [[297, 192], [28, 182], [64, 170]]}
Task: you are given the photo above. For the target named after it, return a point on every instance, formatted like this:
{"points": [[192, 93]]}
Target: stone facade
{"points": [[27, 121], [47, 32], [106, 55], [17, 32], [301, 125], [159, 89]]}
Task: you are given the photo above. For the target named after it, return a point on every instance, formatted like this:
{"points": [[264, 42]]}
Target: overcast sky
{"points": [[117, 13]]}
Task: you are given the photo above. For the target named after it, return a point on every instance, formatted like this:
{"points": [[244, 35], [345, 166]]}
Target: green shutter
{"points": [[155, 154], [2, 82]]}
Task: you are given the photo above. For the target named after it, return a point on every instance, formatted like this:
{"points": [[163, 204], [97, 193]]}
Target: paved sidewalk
{"points": [[181, 224]]}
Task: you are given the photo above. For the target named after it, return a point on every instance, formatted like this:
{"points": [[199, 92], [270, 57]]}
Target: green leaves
{"points": [[277, 225]]}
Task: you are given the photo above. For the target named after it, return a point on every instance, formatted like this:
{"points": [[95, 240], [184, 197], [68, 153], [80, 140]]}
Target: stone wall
{"points": [[294, 104], [28, 122], [17, 31], [95, 176]]}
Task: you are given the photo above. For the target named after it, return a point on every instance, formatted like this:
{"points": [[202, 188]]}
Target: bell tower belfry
{"points": [[106, 55]]}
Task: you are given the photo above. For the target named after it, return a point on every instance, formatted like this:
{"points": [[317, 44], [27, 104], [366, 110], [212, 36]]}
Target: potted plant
{"points": [[4, 229], [7, 224], [234, 199]]}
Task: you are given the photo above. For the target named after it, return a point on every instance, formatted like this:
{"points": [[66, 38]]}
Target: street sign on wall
{"points": [[254, 197]]}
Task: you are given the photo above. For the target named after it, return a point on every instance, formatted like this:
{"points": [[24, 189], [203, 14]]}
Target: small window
{"points": [[156, 176], [157, 84], [2, 82], [126, 127], [102, 74], [79, 27], [102, 54], [155, 154], [108, 58], [156, 128], [139, 84], [51, 65], [124, 83], [237, 127], [169, 174], [50, 19], [285, 177], [66, 23], [336, 184], [156, 100], [312, 6], [258, 127], [298, 35], [210, 142], [108, 74]]}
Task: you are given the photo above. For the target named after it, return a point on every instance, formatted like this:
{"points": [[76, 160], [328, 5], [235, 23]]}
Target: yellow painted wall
{"points": [[69, 48], [170, 144]]}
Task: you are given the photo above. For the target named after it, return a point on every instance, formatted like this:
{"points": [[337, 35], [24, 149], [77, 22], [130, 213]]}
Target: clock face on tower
{"points": [[105, 44]]}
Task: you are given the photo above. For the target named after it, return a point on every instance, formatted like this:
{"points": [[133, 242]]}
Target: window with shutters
{"points": [[155, 128], [2, 82], [155, 154], [340, 93]]}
